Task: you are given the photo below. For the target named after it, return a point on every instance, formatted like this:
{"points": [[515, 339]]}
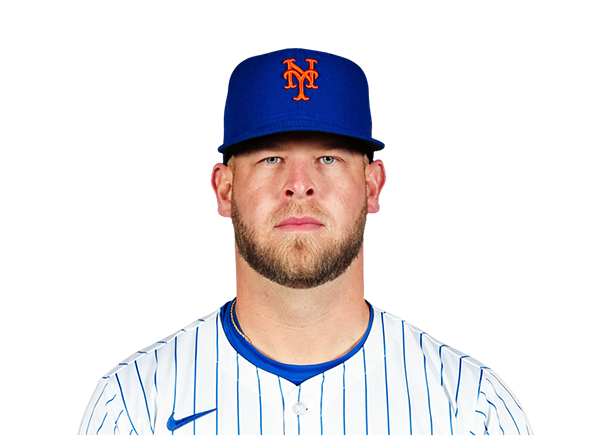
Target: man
{"points": [[299, 351]]}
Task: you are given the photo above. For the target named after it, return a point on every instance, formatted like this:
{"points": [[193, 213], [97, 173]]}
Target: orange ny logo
{"points": [[301, 75]]}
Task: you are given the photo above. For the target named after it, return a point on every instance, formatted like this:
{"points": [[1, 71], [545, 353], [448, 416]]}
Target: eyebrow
{"points": [[333, 144], [268, 143]]}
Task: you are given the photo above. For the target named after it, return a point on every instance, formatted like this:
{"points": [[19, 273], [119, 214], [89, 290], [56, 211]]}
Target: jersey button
{"points": [[299, 408]]}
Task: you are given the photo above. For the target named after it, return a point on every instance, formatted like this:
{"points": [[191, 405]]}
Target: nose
{"points": [[300, 183]]}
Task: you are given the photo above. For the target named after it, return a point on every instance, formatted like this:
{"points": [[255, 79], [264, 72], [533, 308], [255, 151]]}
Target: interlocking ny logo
{"points": [[301, 75]]}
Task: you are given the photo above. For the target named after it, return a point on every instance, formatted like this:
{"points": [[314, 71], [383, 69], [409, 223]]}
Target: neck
{"points": [[295, 326]]}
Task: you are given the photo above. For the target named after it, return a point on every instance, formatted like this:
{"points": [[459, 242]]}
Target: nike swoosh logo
{"points": [[174, 424]]}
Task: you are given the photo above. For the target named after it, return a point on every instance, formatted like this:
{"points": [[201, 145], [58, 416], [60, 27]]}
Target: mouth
{"points": [[304, 223]]}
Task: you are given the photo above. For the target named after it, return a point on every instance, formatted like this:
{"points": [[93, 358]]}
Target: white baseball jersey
{"points": [[206, 379]]}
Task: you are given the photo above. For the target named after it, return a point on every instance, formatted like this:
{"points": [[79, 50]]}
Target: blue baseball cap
{"points": [[297, 90]]}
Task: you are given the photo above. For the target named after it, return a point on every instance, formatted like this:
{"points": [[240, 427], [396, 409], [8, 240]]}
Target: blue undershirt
{"points": [[294, 373]]}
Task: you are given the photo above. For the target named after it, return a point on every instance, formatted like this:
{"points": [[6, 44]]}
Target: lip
{"points": [[299, 223]]}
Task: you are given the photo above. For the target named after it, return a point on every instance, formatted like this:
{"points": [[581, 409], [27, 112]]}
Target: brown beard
{"points": [[299, 261]]}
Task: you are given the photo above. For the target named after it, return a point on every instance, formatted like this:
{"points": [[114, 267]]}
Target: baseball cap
{"points": [[297, 90]]}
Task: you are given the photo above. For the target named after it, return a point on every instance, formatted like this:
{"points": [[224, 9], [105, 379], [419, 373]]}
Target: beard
{"points": [[299, 260]]}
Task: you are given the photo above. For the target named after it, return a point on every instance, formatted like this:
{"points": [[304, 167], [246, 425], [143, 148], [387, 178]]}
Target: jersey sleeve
{"points": [[498, 411], [105, 413]]}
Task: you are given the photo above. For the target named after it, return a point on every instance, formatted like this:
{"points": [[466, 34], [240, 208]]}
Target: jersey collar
{"points": [[296, 374]]}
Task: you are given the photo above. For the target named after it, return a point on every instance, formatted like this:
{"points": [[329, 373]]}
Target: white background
{"points": [[38, 167]]}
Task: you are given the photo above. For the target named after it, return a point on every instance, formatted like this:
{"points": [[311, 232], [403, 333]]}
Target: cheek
{"points": [[346, 200], [252, 204]]}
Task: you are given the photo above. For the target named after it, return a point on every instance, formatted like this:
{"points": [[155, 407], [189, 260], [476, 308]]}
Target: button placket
{"points": [[299, 408], [302, 407]]}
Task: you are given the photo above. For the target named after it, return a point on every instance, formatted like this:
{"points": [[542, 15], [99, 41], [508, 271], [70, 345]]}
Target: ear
{"points": [[222, 183], [375, 178]]}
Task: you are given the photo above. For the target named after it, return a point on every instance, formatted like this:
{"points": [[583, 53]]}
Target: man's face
{"points": [[299, 206]]}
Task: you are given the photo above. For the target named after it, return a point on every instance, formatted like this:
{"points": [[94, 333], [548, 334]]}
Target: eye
{"points": [[327, 160], [272, 160]]}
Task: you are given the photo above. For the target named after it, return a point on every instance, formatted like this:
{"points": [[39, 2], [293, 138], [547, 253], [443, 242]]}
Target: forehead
{"points": [[315, 140]]}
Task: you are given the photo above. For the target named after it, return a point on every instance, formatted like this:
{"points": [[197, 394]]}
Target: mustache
{"points": [[295, 209]]}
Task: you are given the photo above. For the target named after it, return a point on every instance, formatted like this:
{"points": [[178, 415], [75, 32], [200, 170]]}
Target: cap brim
{"points": [[370, 144]]}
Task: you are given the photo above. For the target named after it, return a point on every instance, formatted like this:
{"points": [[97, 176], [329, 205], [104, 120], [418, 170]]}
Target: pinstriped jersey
{"points": [[398, 381]]}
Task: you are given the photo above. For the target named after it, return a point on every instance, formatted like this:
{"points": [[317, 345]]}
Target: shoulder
{"points": [[477, 396], [202, 329], [398, 332], [126, 394], [416, 348], [426, 360], [498, 407]]}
